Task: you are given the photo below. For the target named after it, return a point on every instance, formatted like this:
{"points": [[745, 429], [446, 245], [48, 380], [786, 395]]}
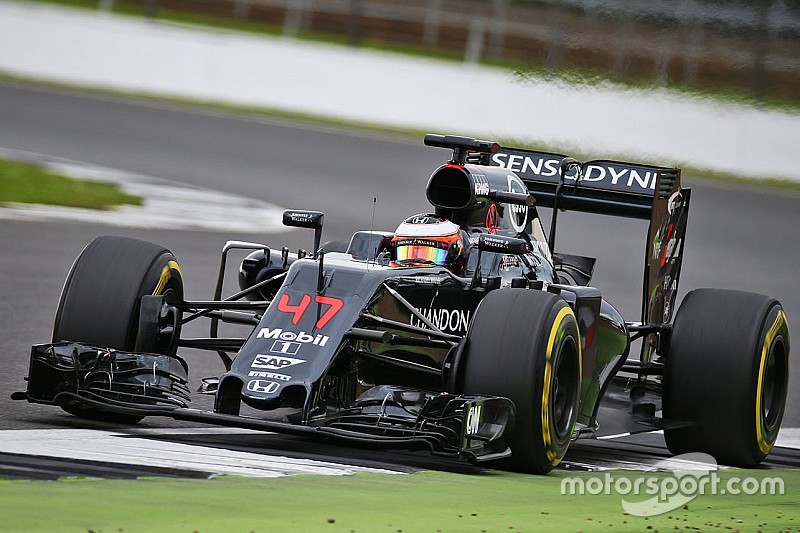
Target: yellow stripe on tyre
{"points": [[165, 275], [780, 320], [552, 341]]}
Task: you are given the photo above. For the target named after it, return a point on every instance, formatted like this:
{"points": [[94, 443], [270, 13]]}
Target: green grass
{"points": [[31, 184], [425, 501]]}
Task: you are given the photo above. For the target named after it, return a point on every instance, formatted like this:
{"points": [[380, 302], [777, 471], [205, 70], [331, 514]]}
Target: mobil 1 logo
{"points": [[296, 339], [285, 347]]}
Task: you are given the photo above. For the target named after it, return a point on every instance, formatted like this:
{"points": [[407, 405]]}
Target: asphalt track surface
{"points": [[739, 236]]}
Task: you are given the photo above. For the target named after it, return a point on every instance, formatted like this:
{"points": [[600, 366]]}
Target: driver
{"points": [[426, 239]]}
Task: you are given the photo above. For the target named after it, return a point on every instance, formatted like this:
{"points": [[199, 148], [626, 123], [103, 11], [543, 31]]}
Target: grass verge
{"points": [[425, 501], [31, 184]]}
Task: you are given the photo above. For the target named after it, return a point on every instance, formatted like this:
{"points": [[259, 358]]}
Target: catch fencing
{"points": [[750, 48]]}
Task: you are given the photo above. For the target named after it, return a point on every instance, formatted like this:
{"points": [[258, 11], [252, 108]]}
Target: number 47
{"points": [[297, 311]]}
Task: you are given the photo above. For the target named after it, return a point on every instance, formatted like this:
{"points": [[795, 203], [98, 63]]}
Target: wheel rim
{"points": [[773, 390], [566, 383]]}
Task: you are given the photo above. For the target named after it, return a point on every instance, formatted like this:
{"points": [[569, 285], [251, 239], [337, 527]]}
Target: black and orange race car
{"points": [[463, 331]]}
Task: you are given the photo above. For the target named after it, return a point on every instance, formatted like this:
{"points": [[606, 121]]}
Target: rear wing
{"points": [[621, 189], [606, 187]]}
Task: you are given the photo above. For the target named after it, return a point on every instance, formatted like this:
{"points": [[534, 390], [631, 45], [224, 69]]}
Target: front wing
{"points": [[141, 384]]}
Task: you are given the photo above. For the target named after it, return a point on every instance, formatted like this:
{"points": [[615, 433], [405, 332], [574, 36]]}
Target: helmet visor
{"points": [[420, 252]]}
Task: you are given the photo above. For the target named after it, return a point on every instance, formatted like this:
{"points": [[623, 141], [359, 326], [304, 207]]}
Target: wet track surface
{"points": [[738, 237]]}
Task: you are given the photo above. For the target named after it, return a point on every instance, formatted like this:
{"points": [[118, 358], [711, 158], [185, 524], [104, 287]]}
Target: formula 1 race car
{"points": [[462, 332]]}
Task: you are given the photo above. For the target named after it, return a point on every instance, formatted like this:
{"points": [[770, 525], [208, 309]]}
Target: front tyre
{"points": [[524, 345], [101, 297], [727, 373]]}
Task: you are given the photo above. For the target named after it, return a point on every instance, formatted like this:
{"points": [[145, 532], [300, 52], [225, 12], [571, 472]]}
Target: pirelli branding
{"points": [[270, 375]]}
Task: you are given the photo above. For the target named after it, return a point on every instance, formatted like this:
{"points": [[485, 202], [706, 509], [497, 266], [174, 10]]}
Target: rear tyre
{"points": [[100, 300], [727, 372], [524, 345]]}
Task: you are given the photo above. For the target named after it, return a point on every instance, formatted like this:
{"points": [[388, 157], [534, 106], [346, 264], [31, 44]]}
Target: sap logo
{"points": [[263, 386], [473, 420], [455, 321], [270, 375], [302, 337], [273, 362]]}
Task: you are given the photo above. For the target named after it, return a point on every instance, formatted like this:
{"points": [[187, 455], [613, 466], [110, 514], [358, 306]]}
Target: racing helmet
{"points": [[429, 239]]}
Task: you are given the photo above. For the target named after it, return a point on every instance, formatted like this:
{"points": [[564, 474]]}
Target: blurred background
{"points": [[740, 48]]}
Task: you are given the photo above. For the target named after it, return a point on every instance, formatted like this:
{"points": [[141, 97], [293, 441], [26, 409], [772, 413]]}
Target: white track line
{"points": [[121, 448], [789, 438]]}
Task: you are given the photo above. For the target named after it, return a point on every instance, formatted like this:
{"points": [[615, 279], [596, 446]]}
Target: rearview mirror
{"points": [[502, 244], [303, 219], [306, 219]]}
